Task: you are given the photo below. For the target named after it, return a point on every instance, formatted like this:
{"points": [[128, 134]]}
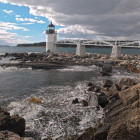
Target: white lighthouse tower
{"points": [[51, 38]]}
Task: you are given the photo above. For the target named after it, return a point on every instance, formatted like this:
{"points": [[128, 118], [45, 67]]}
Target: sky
{"points": [[24, 21]]}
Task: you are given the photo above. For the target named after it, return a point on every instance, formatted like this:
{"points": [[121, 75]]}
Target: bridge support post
{"points": [[116, 52], [80, 50]]}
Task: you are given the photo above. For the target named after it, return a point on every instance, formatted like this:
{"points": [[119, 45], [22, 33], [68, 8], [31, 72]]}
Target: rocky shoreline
{"points": [[121, 120], [121, 101], [11, 127], [61, 60]]}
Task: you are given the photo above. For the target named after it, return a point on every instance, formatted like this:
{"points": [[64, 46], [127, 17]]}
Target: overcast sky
{"points": [[25, 20]]}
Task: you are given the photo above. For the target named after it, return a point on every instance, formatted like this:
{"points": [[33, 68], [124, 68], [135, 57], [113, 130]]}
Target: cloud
{"points": [[27, 36], [7, 37], [8, 11], [76, 31], [11, 26], [17, 16], [114, 19], [31, 20], [28, 23]]}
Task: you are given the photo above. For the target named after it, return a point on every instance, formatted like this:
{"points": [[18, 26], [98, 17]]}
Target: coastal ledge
{"points": [[61, 60], [121, 120]]}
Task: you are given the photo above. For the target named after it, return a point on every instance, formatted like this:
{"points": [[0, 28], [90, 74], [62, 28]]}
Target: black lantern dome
{"points": [[51, 28], [51, 25]]}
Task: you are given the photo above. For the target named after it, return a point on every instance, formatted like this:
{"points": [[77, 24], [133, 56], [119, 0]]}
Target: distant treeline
{"points": [[43, 44], [40, 44]]}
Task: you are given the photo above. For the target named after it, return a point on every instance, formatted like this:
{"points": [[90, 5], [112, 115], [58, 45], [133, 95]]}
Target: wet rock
{"points": [[97, 89], [124, 63], [87, 135], [133, 67], [92, 99], [14, 123], [102, 101], [84, 103], [139, 80], [75, 101], [107, 68], [101, 133], [6, 55], [130, 95], [125, 87], [107, 83], [115, 88], [120, 132], [7, 135], [126, 82], [90, 84], [113, 97], [44, 138], [91, 88], [17, 124], [103, 73]]}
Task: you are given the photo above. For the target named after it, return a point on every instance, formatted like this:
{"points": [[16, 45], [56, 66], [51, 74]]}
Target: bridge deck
{"points": [[98, 45]]}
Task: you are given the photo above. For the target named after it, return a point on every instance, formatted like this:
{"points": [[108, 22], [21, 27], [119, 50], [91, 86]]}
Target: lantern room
{"points": [[50, 29]]}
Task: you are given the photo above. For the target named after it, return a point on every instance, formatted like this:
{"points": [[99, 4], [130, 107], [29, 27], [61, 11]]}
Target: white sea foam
{"points": [[121, 74], [12, 69], [56, 116], [80, 68]]}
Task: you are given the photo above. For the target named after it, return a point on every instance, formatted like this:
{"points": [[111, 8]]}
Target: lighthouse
{"points": [[51, 38]]}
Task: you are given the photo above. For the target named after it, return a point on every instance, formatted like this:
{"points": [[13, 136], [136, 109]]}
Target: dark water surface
{"points": [[70, 50]]}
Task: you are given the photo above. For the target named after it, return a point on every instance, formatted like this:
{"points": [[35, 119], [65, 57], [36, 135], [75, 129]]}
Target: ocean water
{"points": [[55, 116], [69, 50]]}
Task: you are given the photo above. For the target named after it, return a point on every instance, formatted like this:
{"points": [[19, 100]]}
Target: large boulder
{"points": [[17, 124], [126, 82], [130, 95], [129, 129], [14, 123]]}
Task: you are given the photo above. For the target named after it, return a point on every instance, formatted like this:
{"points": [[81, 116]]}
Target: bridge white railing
{"points": [[118, 43]]}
